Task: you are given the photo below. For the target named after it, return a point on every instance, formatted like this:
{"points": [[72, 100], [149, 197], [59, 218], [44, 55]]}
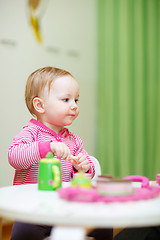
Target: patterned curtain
{"points": [[128, 87]]}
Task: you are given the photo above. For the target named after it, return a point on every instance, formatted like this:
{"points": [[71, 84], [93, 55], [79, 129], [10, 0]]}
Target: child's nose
{"points": [[74, 106]]}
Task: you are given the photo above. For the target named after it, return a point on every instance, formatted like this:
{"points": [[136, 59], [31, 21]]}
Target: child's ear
{"points": [[38, 105]]}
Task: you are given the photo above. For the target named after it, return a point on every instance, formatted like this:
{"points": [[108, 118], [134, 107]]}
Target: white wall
{"points": [[69, 41]]}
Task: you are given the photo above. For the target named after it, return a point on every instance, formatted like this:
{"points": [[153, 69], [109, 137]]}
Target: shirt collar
{"points": [[63, 133]]}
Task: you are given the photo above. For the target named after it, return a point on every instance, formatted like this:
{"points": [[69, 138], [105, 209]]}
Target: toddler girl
{"points": [[52, 96]]}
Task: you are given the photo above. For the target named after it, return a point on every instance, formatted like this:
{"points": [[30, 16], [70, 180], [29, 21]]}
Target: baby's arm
{"points": [[82, 160], [26, 151]]}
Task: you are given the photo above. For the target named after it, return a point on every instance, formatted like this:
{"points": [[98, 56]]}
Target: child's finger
{"points": [[74, 158], [83, 163], [82, 159], [68, 157], [80, 155]]}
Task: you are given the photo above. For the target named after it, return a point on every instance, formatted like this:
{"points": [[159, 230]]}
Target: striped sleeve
{"points": [[25, 151]]}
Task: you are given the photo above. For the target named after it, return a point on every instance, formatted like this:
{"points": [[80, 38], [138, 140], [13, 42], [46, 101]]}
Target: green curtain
{"points": [[128, 87]]}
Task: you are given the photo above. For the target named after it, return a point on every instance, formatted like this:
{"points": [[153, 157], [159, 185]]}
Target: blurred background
{"points": [[112, 48]]}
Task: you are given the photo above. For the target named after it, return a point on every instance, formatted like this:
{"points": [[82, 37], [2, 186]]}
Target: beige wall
{"points": [[69, 41]]}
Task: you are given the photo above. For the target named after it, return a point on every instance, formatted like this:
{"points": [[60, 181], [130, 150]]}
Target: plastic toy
{"points": [[49, 173], [81, 180]]}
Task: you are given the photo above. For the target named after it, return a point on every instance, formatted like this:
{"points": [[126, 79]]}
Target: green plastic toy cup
{"points": [[49, 177]]}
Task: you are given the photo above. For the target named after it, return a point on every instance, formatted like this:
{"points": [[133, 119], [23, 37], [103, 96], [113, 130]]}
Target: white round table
{"points": [[27, 204]]}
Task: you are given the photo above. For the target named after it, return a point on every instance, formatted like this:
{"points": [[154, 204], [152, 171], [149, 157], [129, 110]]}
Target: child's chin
{"points": [[68, 123]]}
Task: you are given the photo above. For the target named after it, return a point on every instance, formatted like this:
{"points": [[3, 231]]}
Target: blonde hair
{"points": [[37, 81]]}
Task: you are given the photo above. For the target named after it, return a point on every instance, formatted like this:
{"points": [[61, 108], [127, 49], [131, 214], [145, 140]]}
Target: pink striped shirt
{"points": [[33, 143]]}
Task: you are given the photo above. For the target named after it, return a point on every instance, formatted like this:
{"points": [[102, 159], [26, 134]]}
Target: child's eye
{"points": [[65, 99], [76, 100]]}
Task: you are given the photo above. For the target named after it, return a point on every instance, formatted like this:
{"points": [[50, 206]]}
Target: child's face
{"points": [[60, 105]]}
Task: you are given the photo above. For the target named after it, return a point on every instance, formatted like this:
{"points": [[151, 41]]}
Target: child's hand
{"points": [[61, 150], [80, 163]]}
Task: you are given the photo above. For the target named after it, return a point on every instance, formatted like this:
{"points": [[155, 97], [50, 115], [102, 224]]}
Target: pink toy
{"points": [[138, 178], [91, 195], [158, 178]]}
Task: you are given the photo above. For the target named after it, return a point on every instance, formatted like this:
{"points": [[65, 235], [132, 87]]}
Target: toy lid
{"points": [[113, 180], [49, 159]]}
